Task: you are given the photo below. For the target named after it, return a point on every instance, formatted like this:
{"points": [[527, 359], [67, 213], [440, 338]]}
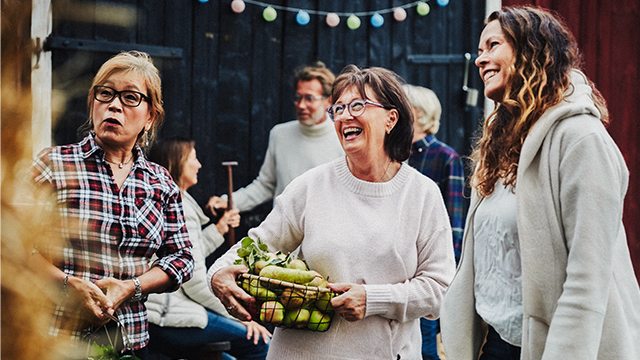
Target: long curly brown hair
{"points": [[545, 53]]}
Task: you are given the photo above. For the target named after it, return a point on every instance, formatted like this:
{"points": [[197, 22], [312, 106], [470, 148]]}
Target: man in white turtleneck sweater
{"points": [[295, 146]]}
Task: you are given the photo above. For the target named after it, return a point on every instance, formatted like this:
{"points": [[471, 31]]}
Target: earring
{"points": [[146, 139], [388, 131]]}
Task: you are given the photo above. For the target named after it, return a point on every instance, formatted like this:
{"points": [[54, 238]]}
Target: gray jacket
{"points": [[580, 294]]}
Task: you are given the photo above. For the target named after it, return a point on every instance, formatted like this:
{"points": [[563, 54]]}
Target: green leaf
{"points": [[242, 252], [247, 242]]}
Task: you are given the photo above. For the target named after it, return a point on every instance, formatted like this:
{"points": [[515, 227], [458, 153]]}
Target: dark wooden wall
{"points": [[233, 79], [607, 34]]}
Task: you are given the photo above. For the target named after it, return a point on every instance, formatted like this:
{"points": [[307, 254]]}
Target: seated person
{"points": [[192, 315]]}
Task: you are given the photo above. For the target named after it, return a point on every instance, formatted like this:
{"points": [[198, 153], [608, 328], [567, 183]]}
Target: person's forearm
{"points": [[154, 281]]}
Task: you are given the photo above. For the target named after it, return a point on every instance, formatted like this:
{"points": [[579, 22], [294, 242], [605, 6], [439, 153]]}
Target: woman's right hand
{"points": [[224, 286], [256, 331], [230, 218], [91, 297]]}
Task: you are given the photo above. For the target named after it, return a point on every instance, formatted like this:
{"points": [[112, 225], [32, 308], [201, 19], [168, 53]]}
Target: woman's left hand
{"points": [[118, 291], [255, 331], [351, 304]]}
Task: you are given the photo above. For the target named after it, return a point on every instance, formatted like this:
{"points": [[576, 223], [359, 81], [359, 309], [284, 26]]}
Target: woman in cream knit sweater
{"points": [[372, 224]]}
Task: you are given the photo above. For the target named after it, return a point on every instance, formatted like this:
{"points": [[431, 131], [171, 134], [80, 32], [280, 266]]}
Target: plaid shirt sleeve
{"points": [[174, 255], [455, 201]]}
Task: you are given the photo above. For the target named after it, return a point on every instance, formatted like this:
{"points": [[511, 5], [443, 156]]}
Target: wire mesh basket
{"points": [[288, 305], [104, 345]]}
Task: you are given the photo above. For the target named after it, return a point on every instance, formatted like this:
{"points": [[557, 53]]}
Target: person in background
{"points": [[193, 316], [117, 209], [344, 215], [295, 146], [545, 271], [442, 164]]}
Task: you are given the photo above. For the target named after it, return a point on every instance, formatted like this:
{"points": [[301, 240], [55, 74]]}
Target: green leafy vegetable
{"points": [[252, 251]]}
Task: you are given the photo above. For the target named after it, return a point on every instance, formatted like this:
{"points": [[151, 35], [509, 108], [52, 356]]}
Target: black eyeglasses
{"points": [[307, 98], [355, 108], [129, 98]]}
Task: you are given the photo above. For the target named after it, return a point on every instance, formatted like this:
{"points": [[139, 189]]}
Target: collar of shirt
{"points": [[424, 143], [90, 147]]}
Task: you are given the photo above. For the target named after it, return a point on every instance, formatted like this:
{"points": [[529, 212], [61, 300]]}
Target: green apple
{"points": [[272, 312], [319, 321]]}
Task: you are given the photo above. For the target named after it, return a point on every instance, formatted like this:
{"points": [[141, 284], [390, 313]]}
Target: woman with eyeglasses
{"points": [[376, 227], [117, 209], [545, 271]]}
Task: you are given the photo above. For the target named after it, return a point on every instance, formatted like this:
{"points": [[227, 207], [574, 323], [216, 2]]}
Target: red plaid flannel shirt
{"points": [[113, 232]]}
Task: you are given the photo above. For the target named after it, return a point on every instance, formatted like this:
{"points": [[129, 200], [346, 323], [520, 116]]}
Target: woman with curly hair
{"points": [[545, 270]]}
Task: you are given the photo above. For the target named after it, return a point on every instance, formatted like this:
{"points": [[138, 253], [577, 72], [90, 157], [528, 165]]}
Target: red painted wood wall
{"points": [[608, 35]]}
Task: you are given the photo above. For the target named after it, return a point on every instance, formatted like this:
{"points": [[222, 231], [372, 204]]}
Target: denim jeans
{"points": [[497, 349], [429, 330], [219, 328]]}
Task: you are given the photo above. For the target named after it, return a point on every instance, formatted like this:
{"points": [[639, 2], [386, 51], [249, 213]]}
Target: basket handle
{"points": [[285, 283]]}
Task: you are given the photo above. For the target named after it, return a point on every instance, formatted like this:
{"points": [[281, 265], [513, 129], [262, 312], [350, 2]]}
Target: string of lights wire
{"points": [[323, 12], [332, 18]]}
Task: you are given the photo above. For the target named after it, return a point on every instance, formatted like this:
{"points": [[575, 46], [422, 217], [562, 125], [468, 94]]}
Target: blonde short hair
{"points": [[426, 101]]}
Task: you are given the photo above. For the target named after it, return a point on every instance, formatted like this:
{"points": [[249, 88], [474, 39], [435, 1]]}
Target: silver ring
{"points": [[230, 308]]}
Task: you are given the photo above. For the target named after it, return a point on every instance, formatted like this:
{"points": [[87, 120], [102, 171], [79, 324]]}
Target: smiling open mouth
{"points": [[489, 74], [350, 133]]}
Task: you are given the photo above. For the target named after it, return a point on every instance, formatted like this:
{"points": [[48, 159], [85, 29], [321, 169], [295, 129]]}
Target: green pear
{"points": [[259, 265], [272, 312], [291, 299], [296, 318], [323, 303], [319, 321], [297, 264], [259, 292], [319, 282]]}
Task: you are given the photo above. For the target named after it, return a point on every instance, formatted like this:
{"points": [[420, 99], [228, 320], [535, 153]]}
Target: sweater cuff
{"points": [[378, 299], [209, 276]]}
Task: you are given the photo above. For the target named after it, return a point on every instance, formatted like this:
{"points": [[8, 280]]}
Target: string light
{"points": [[423, 9], [353, 22], [237, 6], [377, 20], [332, 18], [269, 14], [302, 17]]}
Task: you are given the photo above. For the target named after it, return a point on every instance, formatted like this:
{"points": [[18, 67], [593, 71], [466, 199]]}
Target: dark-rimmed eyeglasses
{"points": [[355, 108], [129, 98], [307, 98]]}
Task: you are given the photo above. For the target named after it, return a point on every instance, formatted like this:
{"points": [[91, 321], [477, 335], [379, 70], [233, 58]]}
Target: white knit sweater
{"points": [[293, 149], [393, 237]]}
